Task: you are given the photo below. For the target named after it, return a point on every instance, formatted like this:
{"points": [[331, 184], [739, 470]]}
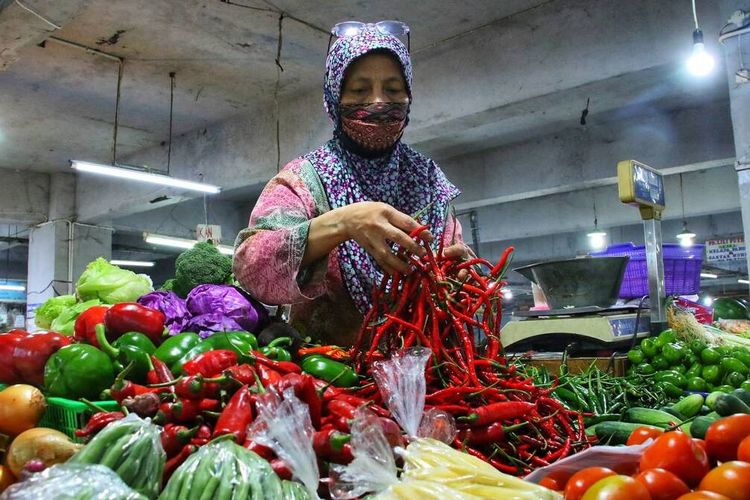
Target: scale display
{"points": [[640, 184]]}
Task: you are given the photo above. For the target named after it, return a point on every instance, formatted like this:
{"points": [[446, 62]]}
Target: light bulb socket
{"points": [[697, 36]]}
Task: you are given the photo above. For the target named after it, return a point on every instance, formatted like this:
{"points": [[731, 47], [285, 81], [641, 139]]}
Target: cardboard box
{"points": [[578, 365]]}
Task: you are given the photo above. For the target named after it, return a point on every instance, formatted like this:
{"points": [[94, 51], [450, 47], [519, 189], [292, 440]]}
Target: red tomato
{"points": [[662, 484], [731, 479], [617, 488], [677, 453], [743, 450], [583, 480], [642, 433], [555, 480], [703, 495], [723, 436]]}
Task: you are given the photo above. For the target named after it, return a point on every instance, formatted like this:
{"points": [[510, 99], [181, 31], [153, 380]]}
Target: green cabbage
{"points": [[65, 323], [51, 309], [111, 284]]}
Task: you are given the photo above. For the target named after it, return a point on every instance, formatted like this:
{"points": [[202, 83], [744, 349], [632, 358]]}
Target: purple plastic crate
{"points": [[682, 268]]}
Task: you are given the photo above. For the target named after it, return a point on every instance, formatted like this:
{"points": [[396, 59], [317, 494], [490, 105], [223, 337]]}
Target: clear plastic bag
{"points": [[601, 456], [72, 481], [132, 448], [373, 468], [283, 424], [402, 385], [223, 469]]}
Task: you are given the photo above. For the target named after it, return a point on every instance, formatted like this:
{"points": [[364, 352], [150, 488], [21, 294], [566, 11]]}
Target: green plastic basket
{"points": [[66, 415], [2, 386]]}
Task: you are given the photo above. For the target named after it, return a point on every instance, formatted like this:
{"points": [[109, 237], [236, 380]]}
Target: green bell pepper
{"points": [[240, 342], [132, 348], [78, 371], [174, 348], [330, 370]]}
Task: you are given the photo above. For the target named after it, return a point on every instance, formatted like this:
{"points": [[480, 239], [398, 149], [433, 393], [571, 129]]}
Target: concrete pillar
{"points": [[739, 99], [58, 253]]}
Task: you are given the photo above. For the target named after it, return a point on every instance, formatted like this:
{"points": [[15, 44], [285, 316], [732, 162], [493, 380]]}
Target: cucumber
{"points": [[595, 419], [676, 414], [689, 406], [649, 416], [729, 404], [742, 395], [701, 424], [614, 432], [711, 398]]}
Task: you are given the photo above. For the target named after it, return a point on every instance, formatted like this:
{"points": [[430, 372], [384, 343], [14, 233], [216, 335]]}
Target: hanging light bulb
{"points": [[700, 62]]}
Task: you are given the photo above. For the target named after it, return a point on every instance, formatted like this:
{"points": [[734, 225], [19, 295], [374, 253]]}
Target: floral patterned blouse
{"points": [[268, 257]]}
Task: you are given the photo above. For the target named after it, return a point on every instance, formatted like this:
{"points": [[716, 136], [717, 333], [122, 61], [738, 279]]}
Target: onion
{"points": [[47, 445], [21, 407]]}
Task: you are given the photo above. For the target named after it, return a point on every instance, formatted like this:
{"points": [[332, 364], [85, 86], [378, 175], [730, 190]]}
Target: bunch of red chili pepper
{"points": [[217, 395], [445, 304]]}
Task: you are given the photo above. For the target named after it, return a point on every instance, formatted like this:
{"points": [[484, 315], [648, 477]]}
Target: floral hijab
{"points": [[404, 179]]}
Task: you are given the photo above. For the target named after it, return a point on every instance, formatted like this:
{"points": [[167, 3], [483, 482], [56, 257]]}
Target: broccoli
{"points": [[200, 265], [168, 286]]}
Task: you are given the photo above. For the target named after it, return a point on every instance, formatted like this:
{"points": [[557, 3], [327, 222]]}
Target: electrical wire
{"points": [[695, 16], [279, 70], [171, 108], [120, 68], [54, 25]]}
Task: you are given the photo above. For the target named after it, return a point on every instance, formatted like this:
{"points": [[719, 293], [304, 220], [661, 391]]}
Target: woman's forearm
{"points": [[326, 232]]}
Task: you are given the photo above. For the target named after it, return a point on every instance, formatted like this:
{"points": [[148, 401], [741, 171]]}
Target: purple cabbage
{"points": [[213, 301], [172, 306], [206, 325]]}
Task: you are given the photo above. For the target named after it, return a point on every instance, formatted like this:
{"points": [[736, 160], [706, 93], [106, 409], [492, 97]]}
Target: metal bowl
{"points": [[578, 282]]}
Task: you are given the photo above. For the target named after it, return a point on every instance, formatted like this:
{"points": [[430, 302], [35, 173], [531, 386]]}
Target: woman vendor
{"points": [[321, 234]]}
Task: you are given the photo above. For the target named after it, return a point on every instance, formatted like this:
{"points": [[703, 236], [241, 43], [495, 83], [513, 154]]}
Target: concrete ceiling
{"points": [[57, 102]]}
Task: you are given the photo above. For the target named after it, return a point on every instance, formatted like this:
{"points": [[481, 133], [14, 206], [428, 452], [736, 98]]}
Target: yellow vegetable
{"points": [[48, 445], [21, 407]]}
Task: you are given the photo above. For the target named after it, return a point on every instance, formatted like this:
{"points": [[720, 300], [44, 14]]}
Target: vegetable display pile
{"points": [[504, 418]]}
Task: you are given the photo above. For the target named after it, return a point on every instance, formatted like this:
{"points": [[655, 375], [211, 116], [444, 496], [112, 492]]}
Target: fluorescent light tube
{"points": [[13, 288], [184, 243], [137, 175], [709, 275], [744, 282], [132, 263]]}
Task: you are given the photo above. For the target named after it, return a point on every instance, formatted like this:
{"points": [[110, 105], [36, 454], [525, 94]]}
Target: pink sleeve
{"points": [[453, 232], [268, 254]]}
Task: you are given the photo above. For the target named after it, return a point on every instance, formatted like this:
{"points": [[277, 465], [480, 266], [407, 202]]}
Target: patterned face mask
{"points": [[374, 127]]}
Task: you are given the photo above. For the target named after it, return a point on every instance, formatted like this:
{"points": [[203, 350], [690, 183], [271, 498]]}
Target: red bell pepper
{"points": [[132, 317], [23, 355], [85, 327]]}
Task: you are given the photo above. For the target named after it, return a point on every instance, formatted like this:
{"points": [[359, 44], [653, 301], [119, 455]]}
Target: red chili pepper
{"points": [[174, 438], [161, 373], [203, 435], [200, 387], [173, 463], [268, 376], [304, 389], [236, 416], [329, 351], [99, 421], [133, 317], [340, 408], [210, 363], [262, 451], [183, 410], [281, 469], [502, 263], [244, 373], [493, 433], [497, 412], [329, 442], [339, 423], [23, 355], [281, 366], [85, 325]]}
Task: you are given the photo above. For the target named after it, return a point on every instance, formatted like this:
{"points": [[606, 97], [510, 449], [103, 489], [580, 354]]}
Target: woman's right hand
{"points": [[374, 225]]}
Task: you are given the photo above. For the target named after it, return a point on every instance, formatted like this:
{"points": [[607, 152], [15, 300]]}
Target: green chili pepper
{"points": [[276, 353], [329, 370], [78, 371], [239, 342], [174, 348], [133, 348]]}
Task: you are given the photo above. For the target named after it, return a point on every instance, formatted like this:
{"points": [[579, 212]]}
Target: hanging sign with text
{"points": [[204, 232], [725, 250]]}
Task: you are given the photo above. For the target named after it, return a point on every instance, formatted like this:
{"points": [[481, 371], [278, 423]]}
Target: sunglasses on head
{"points": [[352, 28]]}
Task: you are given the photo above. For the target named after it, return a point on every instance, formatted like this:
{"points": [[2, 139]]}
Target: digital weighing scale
{"points": [[591, 328], [571, 283]]}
